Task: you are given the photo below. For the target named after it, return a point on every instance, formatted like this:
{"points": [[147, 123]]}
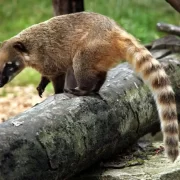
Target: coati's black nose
{"points": [[3, 80], [1, 85]]}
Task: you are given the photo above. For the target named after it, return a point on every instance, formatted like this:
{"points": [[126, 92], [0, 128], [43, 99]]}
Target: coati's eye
{"points": [[8, 63], [11, 67], [16, 63], [20, 47]]}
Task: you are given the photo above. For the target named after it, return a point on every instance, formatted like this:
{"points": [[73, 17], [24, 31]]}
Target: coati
{"points": [[88, 45]]}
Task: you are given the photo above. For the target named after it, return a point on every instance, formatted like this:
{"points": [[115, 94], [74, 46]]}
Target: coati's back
{"points": [[67, 27], [60, 37]]}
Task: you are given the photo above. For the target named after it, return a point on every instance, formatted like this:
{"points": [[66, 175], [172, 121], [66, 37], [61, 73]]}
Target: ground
{"points": [[17, 99], [142, 162]]}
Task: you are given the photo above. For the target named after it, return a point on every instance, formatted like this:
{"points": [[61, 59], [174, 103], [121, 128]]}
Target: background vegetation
{"points": [[139, 17]]}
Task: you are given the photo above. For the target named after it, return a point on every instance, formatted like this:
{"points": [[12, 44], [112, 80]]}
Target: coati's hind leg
{"points": [[58, 83], [89, 80], [42, 85], [100, 82], [70, 81]]}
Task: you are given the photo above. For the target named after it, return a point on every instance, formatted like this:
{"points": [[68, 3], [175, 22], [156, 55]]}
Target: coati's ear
{"points": [[20, 47], [1, 43]]}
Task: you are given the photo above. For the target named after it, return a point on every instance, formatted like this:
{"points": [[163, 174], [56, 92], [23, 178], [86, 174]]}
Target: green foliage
{"points": [[19, 14], [139, 17]]}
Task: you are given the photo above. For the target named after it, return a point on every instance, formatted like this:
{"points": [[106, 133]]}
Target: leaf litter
{"points": [[14, 100]]}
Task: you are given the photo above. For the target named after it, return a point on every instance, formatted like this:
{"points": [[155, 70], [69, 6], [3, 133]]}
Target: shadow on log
{"points": [[64, 135]]}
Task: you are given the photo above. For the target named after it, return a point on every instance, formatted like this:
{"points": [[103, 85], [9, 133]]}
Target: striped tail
{"points": [[152, 72]]}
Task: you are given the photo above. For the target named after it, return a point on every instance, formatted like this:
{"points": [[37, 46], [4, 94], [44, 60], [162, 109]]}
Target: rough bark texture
{"points": [[64, 135], [67, 6], [170, 42]]}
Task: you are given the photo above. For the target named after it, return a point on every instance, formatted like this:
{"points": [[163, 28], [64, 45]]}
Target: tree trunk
{"points": [[66, 134], [67, 6], [175, 4]]}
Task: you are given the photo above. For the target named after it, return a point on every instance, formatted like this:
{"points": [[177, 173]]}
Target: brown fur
{"points": [[88, 45]]}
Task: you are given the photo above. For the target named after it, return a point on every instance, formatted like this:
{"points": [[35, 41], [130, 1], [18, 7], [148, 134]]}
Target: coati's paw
{"points": [[76, 92], [40, 91], [96, 93], [66, 91]]}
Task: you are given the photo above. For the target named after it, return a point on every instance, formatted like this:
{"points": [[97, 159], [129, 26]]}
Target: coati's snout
{"points": [[11, 61], [3, 80], [10, 70]]}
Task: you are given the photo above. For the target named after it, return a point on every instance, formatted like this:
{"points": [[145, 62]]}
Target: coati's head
{"points": [[12, 60]]}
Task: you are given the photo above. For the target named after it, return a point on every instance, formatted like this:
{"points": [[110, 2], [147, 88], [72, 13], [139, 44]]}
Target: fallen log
{"points": [[64, 135], [169, 42], [67, 6]]}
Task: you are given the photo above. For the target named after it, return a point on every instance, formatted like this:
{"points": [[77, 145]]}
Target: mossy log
{"points": [[66, 134]]}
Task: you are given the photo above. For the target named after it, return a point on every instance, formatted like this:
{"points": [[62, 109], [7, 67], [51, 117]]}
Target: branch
{"points": [[169, 28], [67, 6]]}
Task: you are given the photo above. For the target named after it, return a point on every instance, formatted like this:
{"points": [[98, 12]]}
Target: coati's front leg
{"points": [[58, 83], [64, 82], [88, 83], [42, 85]]}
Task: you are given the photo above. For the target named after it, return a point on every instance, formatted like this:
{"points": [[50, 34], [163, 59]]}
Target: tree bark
{"points": [[175, 4], [67, 6], [168, 28], [64, 135], [169, 42]]}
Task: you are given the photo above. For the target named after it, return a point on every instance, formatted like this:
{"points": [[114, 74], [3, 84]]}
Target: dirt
{"points": [[14, 100]]}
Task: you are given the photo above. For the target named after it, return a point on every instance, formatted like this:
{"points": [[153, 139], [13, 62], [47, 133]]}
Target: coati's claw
{"points": [[40, 91], [66, 91], [79, 92], [76, 91]]}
